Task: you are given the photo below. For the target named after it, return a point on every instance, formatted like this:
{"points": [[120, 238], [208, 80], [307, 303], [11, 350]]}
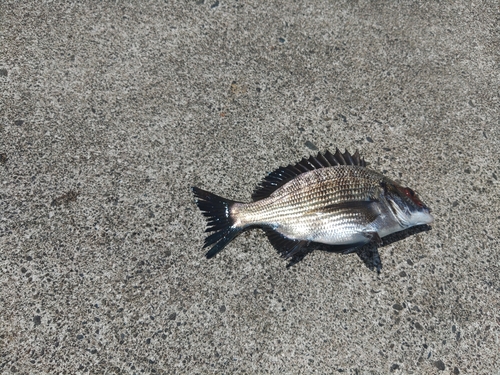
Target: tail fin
{"points": [[218, 213]]}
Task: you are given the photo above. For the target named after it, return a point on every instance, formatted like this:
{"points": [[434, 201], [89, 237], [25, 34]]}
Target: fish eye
{"points": [[411, 194]]}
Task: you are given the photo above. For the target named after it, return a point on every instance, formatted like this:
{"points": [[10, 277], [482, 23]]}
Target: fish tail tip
{"points": [[217, 210]]}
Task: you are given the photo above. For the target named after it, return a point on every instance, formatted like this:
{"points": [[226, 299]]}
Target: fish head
{"points": [[406, 205]]}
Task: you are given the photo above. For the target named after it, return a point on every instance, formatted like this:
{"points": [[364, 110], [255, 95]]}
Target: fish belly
{"points": [[331, 230]]}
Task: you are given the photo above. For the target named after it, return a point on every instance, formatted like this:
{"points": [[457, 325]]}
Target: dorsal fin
{"points": [[282, 175]]}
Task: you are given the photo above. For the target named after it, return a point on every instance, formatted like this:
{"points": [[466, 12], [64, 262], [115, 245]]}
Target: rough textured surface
{"points": [[109, 112]]}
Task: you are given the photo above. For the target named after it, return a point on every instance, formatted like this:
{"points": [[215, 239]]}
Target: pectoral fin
{"points": [[370, 208]]}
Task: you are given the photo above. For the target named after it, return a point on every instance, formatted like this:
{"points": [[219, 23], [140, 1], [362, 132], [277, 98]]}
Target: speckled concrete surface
{"points": [[109, 112]]}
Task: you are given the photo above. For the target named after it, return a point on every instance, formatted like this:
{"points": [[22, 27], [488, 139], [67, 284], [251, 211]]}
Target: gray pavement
{"points": [[110, 111]]}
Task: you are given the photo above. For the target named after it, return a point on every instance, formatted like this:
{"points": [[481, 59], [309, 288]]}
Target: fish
{"points": [[328, 200]]}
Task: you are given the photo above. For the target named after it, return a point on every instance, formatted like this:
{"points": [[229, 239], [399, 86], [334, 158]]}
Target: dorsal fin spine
{"points": [[322, 161], [282, 175], [339, 157]]}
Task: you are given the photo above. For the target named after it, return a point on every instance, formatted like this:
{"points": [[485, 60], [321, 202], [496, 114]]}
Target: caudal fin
{"points": [[219, 220]]}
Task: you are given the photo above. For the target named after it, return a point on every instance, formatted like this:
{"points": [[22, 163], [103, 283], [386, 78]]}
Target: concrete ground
{"points": [[110, 111]]}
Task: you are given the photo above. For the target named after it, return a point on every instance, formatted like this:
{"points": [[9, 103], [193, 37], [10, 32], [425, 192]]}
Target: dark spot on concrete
{"points": [[18, 122], [440, 365], [215, 5], [394, 367], [37, 319], [222, 308], [397, 307], [311, 146], [418, 326], [65, 199], [3, 72], [369, 139], [281, 40], [172, 316], [3, 158]]}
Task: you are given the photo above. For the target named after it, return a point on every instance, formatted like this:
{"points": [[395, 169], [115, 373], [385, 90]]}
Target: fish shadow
{"points": [[367, 253]]}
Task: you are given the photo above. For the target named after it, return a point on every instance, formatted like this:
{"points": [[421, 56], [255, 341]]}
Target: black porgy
{"points": [[328, 199]]}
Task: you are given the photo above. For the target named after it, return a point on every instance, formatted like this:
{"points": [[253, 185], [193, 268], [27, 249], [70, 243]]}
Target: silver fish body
{"points": [[329, 199], [322, 206]]}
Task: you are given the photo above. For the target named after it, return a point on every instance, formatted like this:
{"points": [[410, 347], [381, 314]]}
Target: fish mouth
{"points": [[431, 219], [422, 217]]}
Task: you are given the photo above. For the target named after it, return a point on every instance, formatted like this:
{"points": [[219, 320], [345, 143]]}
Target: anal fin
{"points": [[287, 247]]}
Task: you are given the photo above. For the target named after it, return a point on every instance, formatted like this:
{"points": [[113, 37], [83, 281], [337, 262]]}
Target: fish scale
{"points": [[323, 187], [330, 199]]}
